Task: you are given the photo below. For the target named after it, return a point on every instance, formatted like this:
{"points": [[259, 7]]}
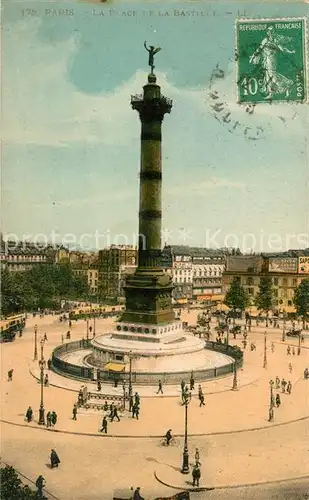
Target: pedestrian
{"points": [[302, 338], [290, 367], [131, 403], [283, 384], [105, 406], [111, 410], [293, 351], [200, 391], [46, 380], [197, 457], [137, 412], [277, 382], [99, 385], [29, 414], [192, 381], [54, 459], [306, 373], [62, 339], [134, 410], [168, 437], [182, 385], [74, 411], [49, 363], [45, 337], [288, 350], [10, 375], [272, 347], [278, 400], [289, 387], [202, 400], [115, 415], [90, 329], [271, 414], [137, 495], [48, 419], [196, 475], [54, 418], [104, 425], [40, 483], [160, 390], [137, 399]]}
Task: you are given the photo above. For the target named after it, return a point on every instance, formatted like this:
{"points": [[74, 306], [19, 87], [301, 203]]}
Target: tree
{"points": [[265, 298], [301, 300], [42, 286], [236, 297], [12, 487]]}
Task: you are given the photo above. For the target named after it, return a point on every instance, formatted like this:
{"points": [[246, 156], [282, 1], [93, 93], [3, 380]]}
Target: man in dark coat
{"points": [[137, 495], [40, 483], [48, 419], [131, 403], [192, 382], [115, 415], [104, 425], [54, 418], [29, 414], [54, 459], [168, 437], [137, 399], [160, 389], [196, 475], [74, 411], [10, 375]]}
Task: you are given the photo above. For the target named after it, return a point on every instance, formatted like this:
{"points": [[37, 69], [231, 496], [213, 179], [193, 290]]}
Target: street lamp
{"points": [[185, 455], [235, 383], [130, 373], [35, 355], [298, 348], [42, 364], [227, 333], [265, 350], [271, 399]]}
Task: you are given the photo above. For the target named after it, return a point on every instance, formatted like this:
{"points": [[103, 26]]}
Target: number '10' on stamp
{"points": [[271, 60]]}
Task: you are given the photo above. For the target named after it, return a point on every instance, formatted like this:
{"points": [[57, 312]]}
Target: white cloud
{"points": [[40, 105]]}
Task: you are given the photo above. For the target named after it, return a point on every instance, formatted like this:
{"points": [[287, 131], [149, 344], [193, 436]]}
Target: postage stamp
{"points": [[271, 60]]}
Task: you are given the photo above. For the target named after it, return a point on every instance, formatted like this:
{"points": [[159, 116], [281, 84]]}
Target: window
{"points": [[275, 281], [294, 281], [250, 280], [251, 291]]}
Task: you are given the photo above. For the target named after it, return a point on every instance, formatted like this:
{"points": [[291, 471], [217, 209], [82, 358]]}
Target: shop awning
{"points": [[114, 367]]}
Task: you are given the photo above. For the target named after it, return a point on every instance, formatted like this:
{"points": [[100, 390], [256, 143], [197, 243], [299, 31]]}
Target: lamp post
{"points": [[124, 394], [265, 350], [283, 333], [271, 398], [185, 455], [235, 383], [35, 355], [94, 325], [130, 373], [298, 348], [227, 333], [42, 366]]}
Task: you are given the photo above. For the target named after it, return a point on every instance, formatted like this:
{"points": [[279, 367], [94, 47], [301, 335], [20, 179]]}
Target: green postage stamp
{"points": [[271, 60]]}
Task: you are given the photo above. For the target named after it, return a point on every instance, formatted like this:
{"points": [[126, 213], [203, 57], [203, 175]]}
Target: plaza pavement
{"points": [[228, 457]]}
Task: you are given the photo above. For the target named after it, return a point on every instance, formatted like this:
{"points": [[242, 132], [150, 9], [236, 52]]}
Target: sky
{"points": [[71, 142]]}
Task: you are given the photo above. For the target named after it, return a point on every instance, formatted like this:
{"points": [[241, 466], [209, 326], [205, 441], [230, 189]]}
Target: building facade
{"points": [[286, 271], [196, 273], [22, 256], [114, 264]]}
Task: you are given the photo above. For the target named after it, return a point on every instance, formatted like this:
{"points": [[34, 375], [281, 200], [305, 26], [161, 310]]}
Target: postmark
{"points": [[271, 60]]}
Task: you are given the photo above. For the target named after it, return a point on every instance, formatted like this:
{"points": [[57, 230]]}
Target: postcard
{"points": [[146, 145]]}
